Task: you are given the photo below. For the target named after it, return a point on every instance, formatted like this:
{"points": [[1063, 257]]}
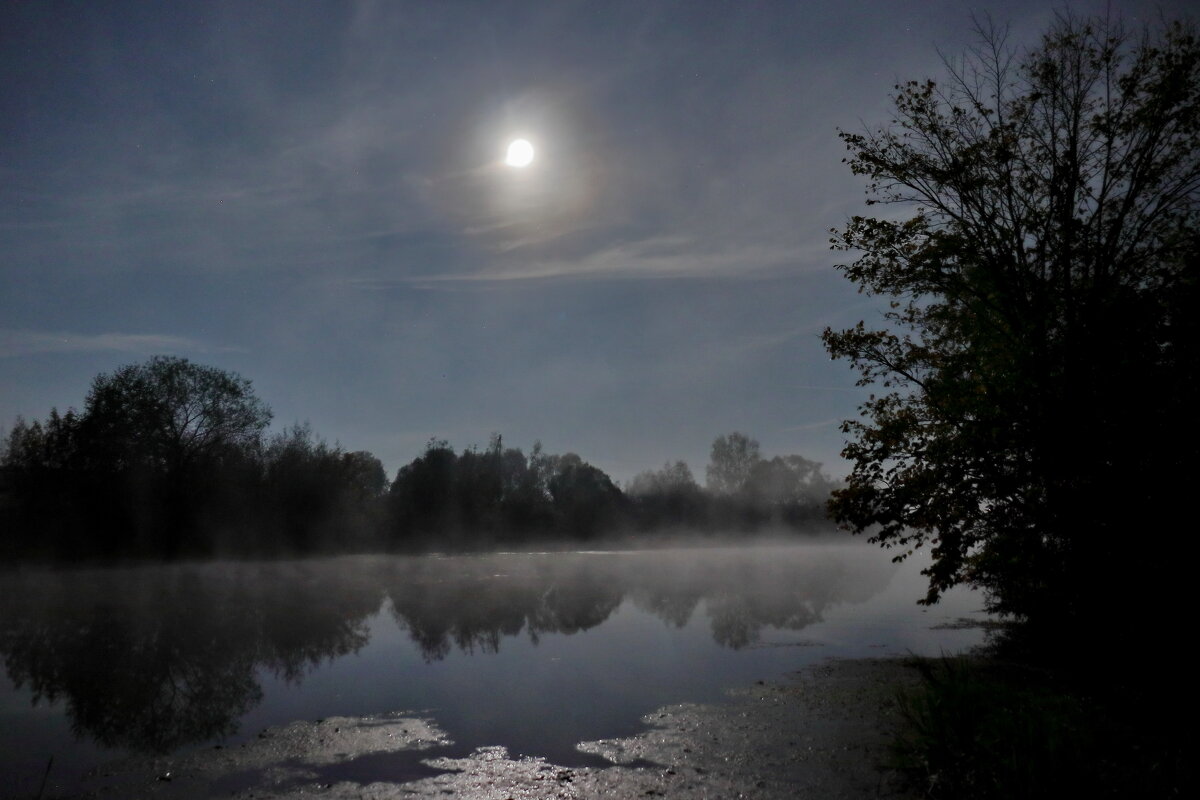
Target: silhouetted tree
{"points": [[1038, 362], [422, 495], [676, 477], [669, 497], [476, 499], [168, 458], [156, 436], [320, 498], [40, 476], [586, 500], [527, 506], [792, 488], [364, 472], [749, 491], [732, 460], [170, 414], [479, 487], [140, 469]]}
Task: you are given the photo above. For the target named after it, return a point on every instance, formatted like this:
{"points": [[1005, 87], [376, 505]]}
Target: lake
{"points": [[535, 652]]}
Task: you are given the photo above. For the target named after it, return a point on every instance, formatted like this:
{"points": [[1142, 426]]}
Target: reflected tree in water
{"points": [[474, 603], [153, 660], [577, 604], [476, 606], [141, 683]]}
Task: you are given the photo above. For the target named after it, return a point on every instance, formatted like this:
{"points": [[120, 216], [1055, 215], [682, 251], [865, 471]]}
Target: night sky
{"points": [[314, 195]]}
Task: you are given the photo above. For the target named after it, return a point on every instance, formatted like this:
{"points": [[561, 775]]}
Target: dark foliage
{"points": [[1039, 361], [446, 500], [986, 728], [499, 496], [170, 459]]}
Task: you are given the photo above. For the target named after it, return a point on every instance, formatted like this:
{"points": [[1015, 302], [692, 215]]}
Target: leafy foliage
{"points": [[169, 413], [1037, 360]]}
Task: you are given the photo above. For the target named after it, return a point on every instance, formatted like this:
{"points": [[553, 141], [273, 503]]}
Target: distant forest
{"points": [[173, 459]]}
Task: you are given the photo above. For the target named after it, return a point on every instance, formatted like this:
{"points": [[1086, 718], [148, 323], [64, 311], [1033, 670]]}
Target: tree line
{"points": [[169, 458]]}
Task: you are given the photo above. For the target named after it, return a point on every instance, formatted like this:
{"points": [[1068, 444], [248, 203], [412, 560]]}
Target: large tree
{"points": [[1036, 372], [165, 458], [168, 448], [731, 461], [169, 414]]}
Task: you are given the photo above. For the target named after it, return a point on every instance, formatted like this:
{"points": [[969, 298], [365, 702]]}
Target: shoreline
{"points": [[822, 731]]}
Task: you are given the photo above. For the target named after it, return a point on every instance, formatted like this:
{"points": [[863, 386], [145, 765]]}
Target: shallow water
{"points": [[535, 652]]}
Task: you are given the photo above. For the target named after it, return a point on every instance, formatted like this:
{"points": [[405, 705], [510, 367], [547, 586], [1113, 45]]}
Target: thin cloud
{"points": [[17, 343], [652, 258]]}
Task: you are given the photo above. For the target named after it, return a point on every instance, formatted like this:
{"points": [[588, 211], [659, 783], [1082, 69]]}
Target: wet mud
{"points": [[822, 732]]}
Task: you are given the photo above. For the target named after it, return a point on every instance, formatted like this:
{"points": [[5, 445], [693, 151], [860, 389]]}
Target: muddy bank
{"points": [[822, 732]]}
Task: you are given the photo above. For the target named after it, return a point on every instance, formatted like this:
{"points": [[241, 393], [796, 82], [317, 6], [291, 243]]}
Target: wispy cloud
{"points": [[16, 343], [647, 259]]}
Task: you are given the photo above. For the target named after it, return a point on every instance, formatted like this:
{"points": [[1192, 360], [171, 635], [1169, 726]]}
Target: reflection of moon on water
{"points": [[520, 153]]}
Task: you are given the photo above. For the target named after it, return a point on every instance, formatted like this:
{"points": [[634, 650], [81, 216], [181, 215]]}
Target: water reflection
{"points": [[153, 659]]}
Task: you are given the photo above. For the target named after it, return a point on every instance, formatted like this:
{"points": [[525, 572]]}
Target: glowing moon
{"points": [[520, 153]]}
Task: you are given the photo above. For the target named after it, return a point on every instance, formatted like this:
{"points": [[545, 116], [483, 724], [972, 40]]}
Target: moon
{"points": [[520, 153]]}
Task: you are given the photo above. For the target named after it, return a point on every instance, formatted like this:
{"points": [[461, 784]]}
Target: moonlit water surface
{"points": [[535, 652]]}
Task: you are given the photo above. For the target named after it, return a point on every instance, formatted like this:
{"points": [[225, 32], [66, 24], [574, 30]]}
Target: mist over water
{"points": [[536, 652]]}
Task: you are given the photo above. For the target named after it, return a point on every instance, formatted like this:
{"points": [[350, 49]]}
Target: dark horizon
{"points": [[171, 459]]}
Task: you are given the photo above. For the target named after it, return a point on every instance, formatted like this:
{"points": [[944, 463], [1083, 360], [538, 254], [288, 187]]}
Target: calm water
{"points": [[532, 651]]}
